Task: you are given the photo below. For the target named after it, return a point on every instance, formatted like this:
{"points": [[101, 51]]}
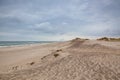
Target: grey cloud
{"points": [[81, 17]]}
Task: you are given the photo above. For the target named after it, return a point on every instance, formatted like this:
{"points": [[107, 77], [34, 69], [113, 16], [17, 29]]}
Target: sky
{"points": [[56, 20]]}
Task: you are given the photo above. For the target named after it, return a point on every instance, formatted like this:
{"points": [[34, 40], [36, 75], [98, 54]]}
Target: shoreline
{"points": [[22, 45]]}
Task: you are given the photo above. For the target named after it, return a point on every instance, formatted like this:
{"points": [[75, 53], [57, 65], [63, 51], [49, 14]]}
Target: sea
{"points": [[19, 43]]}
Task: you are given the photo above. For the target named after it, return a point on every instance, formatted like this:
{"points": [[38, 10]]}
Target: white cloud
{"points": [[41, 25]]}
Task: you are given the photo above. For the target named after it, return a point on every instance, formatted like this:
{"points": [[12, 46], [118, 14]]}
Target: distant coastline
{"points": [[21, 43]]}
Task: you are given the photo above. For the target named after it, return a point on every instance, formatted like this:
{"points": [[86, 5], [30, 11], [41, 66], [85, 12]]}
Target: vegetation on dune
{"points": [[109, 39]]}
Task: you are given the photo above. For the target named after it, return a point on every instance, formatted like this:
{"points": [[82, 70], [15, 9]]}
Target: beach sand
{"points": [[76, 59]]}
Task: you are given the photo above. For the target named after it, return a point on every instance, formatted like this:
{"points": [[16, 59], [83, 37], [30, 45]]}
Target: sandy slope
{"points": [[72, 60]]}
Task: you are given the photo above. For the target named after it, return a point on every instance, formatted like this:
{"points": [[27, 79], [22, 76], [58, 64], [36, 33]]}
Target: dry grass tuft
{"points": [[109, 39], [32, 63], [56, 55], [58, 50]]}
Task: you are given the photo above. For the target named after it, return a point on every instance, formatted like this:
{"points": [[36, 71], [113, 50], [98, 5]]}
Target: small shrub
{"points": [[58, 50], [32, 63], [56, 55], [104, 38], [15, 67]]}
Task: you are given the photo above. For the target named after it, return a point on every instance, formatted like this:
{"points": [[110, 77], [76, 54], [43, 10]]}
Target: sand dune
{"points": [[78, 59]]}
